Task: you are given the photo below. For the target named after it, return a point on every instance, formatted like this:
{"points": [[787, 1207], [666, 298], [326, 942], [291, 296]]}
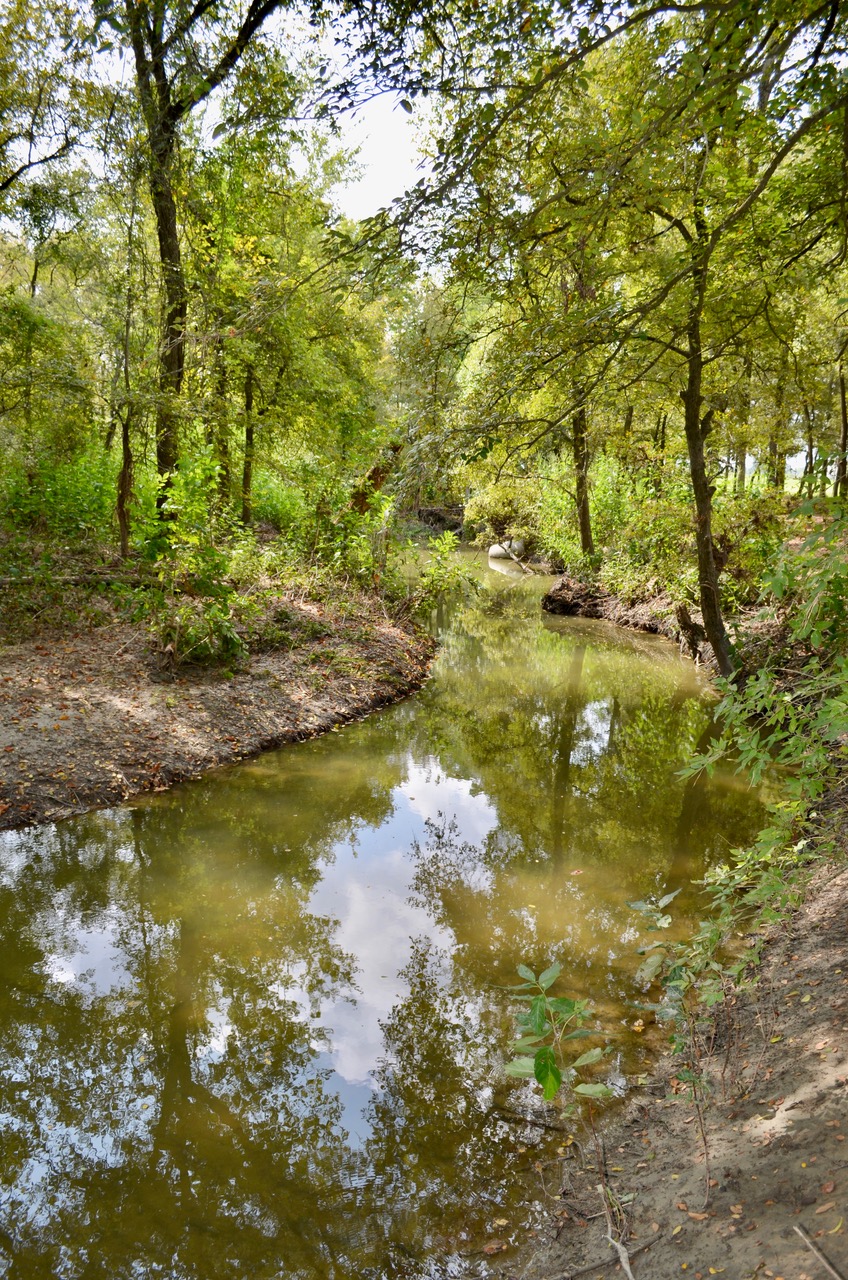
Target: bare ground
{"points": [[94, 718]]}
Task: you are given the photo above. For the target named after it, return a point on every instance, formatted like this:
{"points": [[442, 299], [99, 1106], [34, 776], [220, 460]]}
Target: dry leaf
{"points": [[699, 1217], [827, 1187], [824, 1208]]}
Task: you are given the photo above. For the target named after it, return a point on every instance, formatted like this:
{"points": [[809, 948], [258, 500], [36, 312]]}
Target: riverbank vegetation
{"points": [[610, 320]]}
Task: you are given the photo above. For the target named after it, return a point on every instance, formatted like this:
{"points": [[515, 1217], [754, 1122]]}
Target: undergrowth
{"points": [[789, 715]]}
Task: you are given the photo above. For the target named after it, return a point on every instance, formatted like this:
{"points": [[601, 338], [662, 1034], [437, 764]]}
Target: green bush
{"points": [[505, 509], [72, 500], [281, 505]]}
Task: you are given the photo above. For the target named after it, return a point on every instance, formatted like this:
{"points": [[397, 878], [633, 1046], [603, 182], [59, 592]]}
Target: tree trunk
{"points": [[222, 430], [741, 452], [580, 453], [740, 468], [840, 484], [247, 470], [776, 467], [807, 479], [125, 476], [172, 337], [657, 464], [697, 430]]}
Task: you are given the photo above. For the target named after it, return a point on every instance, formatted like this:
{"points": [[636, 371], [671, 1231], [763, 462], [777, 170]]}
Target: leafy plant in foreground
{"points": [[443, 575], [547, 1027]]}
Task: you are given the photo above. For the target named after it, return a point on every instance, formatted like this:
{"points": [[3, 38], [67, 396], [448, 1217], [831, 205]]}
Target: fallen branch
{"points": [[828, 1266], [617, 1244], [518, 1118], [90, 579], [608, 1262]]}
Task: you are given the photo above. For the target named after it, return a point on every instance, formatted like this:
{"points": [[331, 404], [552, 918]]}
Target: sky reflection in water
{"points": [[254, 1027]]}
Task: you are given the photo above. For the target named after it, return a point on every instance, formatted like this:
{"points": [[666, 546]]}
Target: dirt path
{"points": [[94, 719], [776, 1127]]}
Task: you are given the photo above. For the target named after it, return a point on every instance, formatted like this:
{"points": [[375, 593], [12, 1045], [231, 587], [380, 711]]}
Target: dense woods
{"points": [[609, 318], [242, 437]]}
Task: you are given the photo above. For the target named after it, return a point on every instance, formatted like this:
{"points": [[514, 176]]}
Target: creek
{"points": [[256, 1026]]}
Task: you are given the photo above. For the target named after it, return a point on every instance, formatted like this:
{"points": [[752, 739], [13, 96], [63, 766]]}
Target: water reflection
{"points": [[252, 1027]]}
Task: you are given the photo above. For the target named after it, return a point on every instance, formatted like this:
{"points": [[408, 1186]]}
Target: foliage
{"points": [[548, 1027], [71, 500], [191, 614], [443, 576], [281, 505], [797, 717], [505, 509], [791, 715]]}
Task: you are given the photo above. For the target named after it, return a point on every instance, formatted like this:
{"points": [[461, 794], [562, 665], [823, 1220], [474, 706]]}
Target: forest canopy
{"points": [[610, 317]]}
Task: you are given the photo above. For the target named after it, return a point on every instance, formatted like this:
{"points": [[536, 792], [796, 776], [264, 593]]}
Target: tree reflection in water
{"points": [[193, 984]]}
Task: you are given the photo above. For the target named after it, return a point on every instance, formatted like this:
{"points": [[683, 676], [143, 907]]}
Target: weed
{"points": [[548, 1027]]}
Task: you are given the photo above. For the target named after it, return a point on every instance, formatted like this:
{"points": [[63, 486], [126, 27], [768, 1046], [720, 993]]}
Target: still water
{"points": [[255, 1027]]}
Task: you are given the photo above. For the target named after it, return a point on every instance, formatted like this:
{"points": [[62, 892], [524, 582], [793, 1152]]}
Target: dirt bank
{"points": [[659, 615], [95, 718], [776, 1128]]}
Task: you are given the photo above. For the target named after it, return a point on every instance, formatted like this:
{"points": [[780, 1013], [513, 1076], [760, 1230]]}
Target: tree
{"points": [[182, 53], [671, 143]]}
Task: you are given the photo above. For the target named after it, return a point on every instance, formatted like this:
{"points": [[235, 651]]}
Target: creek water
{"points": [[256, 1026]]}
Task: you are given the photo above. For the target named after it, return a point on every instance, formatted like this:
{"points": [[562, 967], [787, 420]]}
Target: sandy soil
{"points": [[776, 1129], [95, 718]]}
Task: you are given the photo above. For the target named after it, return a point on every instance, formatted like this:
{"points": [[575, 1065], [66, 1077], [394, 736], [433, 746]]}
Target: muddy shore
{"points": [[94, 718]]}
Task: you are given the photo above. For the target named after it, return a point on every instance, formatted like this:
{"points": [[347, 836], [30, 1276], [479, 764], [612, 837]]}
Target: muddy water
{"points": [[255, 1027]]}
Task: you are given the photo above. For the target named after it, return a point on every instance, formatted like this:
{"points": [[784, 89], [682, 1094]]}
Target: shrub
{"points": [[72, 500]]}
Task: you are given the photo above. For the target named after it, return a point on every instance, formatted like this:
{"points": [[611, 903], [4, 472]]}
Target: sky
{"points": [[388, 155]]}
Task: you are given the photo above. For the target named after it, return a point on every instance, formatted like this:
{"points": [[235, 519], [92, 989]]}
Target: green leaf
{"points": [[549, 977], [586, 1059], [527, 974], [547, 1072], [526, 1042], [537, 1020], [650, 967], [563, 1006], [524, 1068], [669, 897], [406, 104], [593, 1090]]}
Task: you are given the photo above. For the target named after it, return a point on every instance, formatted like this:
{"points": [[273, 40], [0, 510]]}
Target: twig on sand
{"points": [[615, 1241], [828, 1266], [608, 1262]]}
